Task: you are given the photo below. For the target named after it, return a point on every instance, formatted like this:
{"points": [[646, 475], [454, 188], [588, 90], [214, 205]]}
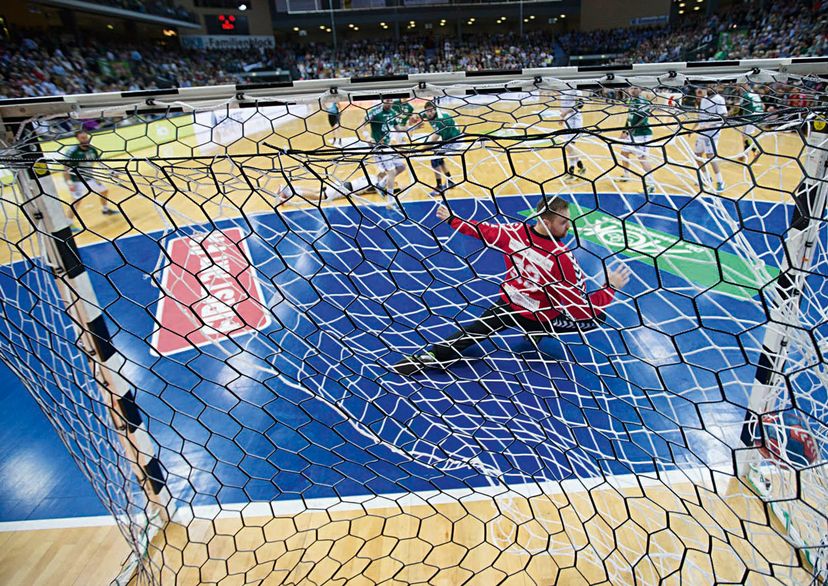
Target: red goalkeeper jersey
{"points": [[543, 280]]}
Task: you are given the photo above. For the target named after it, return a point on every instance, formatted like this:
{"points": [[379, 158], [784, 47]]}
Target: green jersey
{"points": [[638, 117], [751, 105], [77, 156], [382, 121], [444, 125], [404, 110]]}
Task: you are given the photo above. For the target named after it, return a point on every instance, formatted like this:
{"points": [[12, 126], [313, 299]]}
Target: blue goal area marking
{"points": [[306, 407]]}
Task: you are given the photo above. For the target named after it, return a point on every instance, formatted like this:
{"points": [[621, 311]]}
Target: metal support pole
{"points": [[46, 213], [808, 217]]}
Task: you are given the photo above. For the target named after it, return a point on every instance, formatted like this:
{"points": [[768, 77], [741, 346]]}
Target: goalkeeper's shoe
{"points": [[420, 362]]}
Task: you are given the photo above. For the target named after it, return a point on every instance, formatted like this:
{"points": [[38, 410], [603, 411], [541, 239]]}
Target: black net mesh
{"points": [[277, 360]]}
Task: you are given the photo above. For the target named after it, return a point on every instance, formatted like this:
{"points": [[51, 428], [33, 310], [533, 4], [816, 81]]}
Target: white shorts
{"points": [[634, 146], [574, 121], [749, 129], [337, 189], [446, 148], [389, 161], [78, 188], [707, 142]]}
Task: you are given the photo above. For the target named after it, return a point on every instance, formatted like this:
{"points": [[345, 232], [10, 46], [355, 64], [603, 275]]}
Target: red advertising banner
{"points": [[210, 293]]}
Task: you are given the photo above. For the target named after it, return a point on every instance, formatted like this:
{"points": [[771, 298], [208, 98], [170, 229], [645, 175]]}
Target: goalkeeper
{"points": [[543, 292]]}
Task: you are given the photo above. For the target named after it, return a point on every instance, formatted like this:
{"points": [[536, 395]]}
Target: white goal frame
{"points": [[16, 114]]}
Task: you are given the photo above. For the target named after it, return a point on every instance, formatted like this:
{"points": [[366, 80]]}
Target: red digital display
{"points": [[227, 21], [226, 24]]}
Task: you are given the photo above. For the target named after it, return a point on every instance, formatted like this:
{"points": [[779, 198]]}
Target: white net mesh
{"points": [[271, 263]]}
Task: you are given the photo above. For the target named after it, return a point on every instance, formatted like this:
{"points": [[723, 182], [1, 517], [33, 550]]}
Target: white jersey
{"points": [[571, 103], [571, 100], [713, 112]]}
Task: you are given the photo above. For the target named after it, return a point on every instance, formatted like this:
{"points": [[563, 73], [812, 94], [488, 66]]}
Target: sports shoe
{"points": [[450, 184], [418, 363], [110, 212], [75, 229], [720, 186], [581, 167], [283, 195], [436, 192]]}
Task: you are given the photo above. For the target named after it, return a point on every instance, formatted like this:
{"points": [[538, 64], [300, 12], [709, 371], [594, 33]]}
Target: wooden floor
{"points": [[173, 191], [76, 557], [680, 534], [655, 534]]}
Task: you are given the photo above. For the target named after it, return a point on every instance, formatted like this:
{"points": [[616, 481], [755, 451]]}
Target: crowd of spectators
{"points": [[34, 64], [743, 30], [425, 54], [42, 66], [165, 8]]}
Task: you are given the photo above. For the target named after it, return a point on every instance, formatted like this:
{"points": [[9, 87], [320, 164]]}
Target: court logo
{"points": [[210, 293], [634, 238]]}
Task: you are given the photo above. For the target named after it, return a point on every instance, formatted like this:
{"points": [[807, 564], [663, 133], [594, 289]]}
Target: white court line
{"points": [[65, 523], [698, 476]]}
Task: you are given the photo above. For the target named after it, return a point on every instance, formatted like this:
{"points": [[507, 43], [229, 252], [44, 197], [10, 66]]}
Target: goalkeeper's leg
{"points": [[441, 355]]}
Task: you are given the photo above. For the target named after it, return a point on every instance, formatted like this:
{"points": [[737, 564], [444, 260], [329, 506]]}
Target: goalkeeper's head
{"points": [[552, 217]]}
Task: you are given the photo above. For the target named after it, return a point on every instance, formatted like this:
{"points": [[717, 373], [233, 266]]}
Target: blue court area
{"points": [[38, 477], [307, 407]]}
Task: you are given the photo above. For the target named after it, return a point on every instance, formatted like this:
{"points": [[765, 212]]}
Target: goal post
{"points": [[43, 209], [790, 479], [223, 350]]}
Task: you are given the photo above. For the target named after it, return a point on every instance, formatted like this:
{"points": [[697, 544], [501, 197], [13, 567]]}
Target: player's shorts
{"points": [[574, 121], [749, 129], [78, 188], [333, 119], [634, 144], [389, 161], [446, 148], [707, 142]]}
